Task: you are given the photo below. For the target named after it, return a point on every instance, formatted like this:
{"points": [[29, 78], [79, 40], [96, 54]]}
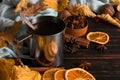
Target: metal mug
{"points": [[47, 41]]}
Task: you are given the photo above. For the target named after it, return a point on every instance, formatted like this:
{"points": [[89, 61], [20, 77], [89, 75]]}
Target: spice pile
{"points": [[72, 44], [76, 21]]}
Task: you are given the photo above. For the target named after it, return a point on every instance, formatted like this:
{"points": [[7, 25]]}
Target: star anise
{"points": [[101, 47], [85, 65]]}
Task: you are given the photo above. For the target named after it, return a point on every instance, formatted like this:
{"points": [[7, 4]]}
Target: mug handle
{"points": [[22, 38]]}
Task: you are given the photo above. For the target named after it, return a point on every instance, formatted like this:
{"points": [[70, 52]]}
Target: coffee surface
{"points": [[47, 28]]}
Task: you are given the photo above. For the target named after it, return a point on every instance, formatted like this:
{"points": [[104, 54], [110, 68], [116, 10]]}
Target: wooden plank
{"points": [[104, 65]]}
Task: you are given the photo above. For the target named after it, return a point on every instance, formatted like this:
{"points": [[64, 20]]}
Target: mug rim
{"points": [[51, 19]]}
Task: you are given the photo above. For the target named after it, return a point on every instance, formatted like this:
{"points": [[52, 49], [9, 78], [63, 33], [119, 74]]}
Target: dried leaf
{"points": [[51, 4], [7, 37], [81, 9], [6, 66], [21, 6], [34, 9], [62, 4]]}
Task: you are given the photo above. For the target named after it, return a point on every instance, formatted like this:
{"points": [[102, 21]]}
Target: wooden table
{"points": [[105, 65]]}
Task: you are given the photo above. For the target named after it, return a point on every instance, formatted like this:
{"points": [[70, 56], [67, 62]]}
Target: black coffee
{"points": [[47, 28]]}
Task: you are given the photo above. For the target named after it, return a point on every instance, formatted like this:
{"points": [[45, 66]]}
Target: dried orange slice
{"points": [[118, 7], [60, 74], [48, 55], [78, 74], [98, 37], [49, 74], [51, 50]]}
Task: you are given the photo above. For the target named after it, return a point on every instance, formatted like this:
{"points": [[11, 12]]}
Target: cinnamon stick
{"points": [[78, 40], [83, 42], [42, 69]]}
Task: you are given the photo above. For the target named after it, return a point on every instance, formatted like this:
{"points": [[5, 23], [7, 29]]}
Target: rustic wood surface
{"points": [[105, 65]]}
